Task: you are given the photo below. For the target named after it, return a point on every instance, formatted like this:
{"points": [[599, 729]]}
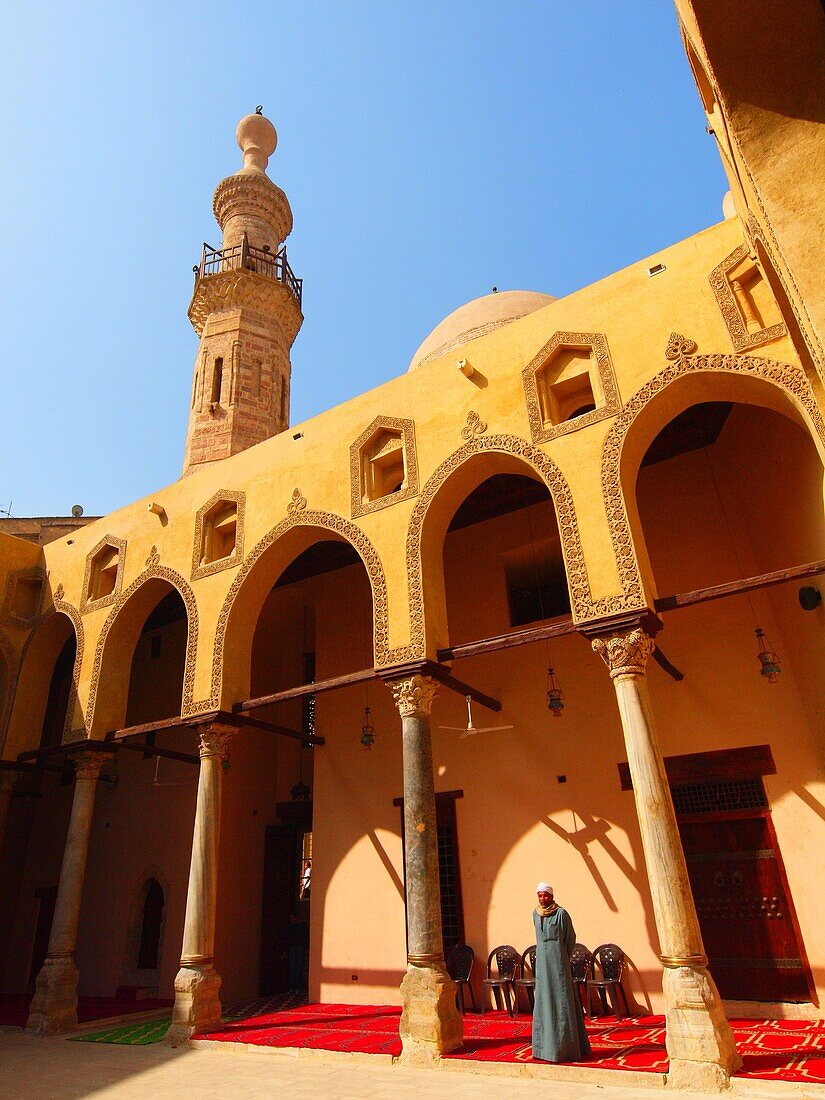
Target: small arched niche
{"points": [[104, 573]]}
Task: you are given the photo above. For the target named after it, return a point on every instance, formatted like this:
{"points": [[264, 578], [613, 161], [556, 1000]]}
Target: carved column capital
{"points": [[414, 695], [89, 765], [213, 739], [626, 652]]}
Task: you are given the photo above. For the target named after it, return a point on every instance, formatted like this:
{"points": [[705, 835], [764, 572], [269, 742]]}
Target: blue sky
{"points": [[429, 150]]}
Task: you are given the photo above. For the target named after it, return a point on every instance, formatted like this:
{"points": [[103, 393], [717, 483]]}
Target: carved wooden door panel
{"points": [[744, 910]]}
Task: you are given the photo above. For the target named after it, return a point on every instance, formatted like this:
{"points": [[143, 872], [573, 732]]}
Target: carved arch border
{"points": [[299, 517], [784, 376], [579, 584], [71, 613], [152, 572]]}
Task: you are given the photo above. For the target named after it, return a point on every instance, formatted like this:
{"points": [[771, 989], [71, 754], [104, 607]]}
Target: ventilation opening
{"points": [[104, 573], [565, 387], [383, 466], [729, 794], [753, 297], [220, 532]]}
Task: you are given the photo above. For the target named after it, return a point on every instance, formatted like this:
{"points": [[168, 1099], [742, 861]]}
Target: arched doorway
{"points": [[303, 613], [151, 923], [728, 490]]}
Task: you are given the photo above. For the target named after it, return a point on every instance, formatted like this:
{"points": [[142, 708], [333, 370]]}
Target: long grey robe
{"points": [[558, 1020]]}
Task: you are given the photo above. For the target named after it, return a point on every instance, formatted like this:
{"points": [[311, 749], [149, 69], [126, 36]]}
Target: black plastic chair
{"points": [[527, 981], [610, 961], [581, 968], [460, 968], [507, 961]]}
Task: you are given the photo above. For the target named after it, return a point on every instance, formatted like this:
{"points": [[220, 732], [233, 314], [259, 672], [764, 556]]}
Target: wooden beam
{"points": [[84, 745], [665, 664], [508, 641], [153, 750], [306, 689], [442, 674], [222, 716], [734, 588]]}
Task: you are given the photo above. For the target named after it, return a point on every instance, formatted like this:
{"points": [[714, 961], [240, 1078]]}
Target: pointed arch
{"points": [[32, 674], [545, 470], [299, 517], [153, 572], [685, 380]]}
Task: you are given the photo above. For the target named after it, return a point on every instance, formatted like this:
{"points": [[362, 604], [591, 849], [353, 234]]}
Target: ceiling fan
{"points": [[156, 782], [470, 729]]}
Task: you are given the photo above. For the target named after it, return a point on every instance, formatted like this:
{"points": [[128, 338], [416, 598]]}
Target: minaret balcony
{"points": [[243, 275], [244, 257]]}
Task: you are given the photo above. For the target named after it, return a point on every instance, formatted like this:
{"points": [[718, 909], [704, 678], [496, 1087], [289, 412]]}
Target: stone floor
{"points": [[53, 1069]]}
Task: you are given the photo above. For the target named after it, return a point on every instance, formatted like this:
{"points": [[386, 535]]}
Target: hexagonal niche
{"points": [[219, 529], [746, 302], [23, 599], [569, 384], [383, 465], [103, 578]]}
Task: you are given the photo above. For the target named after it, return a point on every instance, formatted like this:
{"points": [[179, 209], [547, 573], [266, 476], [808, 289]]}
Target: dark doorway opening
{"points": [[285, 906], [151, 923]]}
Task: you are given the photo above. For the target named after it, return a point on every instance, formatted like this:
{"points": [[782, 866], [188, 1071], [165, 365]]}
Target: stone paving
{"points": [[53, 1069]]}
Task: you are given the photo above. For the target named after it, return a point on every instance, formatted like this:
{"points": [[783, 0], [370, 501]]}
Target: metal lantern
{"points": [[555, 696], [768, 659], [367, 730]]}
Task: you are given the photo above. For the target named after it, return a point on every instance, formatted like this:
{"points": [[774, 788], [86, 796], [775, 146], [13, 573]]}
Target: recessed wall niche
{"points": [[103, 576], [383, 465], [219, 528], [569, 384], [23, 599], [746, 301]]}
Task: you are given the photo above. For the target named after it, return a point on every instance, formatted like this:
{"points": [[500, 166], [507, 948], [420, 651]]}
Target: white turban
{"points": [[544, 888]]}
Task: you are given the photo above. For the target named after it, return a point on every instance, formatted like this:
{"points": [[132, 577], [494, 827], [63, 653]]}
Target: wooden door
{"points": [[745, 911]]}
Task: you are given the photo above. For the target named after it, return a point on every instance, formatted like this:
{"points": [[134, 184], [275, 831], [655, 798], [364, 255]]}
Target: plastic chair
{"points": [[581, 968], [527, 981], [460, 968], [507, 961], [610, 960]]}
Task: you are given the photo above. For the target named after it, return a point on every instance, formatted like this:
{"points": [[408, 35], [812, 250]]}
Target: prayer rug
{"points": [[776, 1050], [145, 1032]]}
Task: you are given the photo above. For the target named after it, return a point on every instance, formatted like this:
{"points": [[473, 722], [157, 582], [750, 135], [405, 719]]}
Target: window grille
{"points": [[728, 794], [451, 923]]}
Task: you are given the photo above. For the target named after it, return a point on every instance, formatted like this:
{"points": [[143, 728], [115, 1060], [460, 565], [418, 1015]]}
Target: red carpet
{"points": [[14, 1011], [779, 1050]]}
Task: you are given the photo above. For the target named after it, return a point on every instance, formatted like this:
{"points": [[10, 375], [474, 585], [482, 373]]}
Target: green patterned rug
{"points": [[139, 1034], [143, 1032]]}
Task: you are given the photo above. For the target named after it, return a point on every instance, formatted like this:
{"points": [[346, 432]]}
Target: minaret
{"points": [[246, 308]]}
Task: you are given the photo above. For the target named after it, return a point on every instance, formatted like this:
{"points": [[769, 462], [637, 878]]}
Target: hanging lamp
{"points": [[768, 657], [555, 696], [367, 730]]}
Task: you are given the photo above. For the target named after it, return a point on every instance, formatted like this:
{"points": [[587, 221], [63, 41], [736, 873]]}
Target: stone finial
{"points": [[257, 138]]}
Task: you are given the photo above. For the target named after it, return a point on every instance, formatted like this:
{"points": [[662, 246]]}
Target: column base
{"points": [[700, 1041], [431, 1024], [54, 1005], [197, 1005]]}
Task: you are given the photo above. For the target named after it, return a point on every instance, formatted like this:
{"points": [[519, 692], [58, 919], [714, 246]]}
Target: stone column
{"points": [[197, 1005], [430, 1022], [54, 1007], [700, 1042]]}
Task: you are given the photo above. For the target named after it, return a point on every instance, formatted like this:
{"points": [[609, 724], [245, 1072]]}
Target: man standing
{"points": [[559, 1034]]}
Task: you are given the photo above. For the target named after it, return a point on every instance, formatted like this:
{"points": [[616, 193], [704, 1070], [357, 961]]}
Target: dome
{"points": [[477, 318]]}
